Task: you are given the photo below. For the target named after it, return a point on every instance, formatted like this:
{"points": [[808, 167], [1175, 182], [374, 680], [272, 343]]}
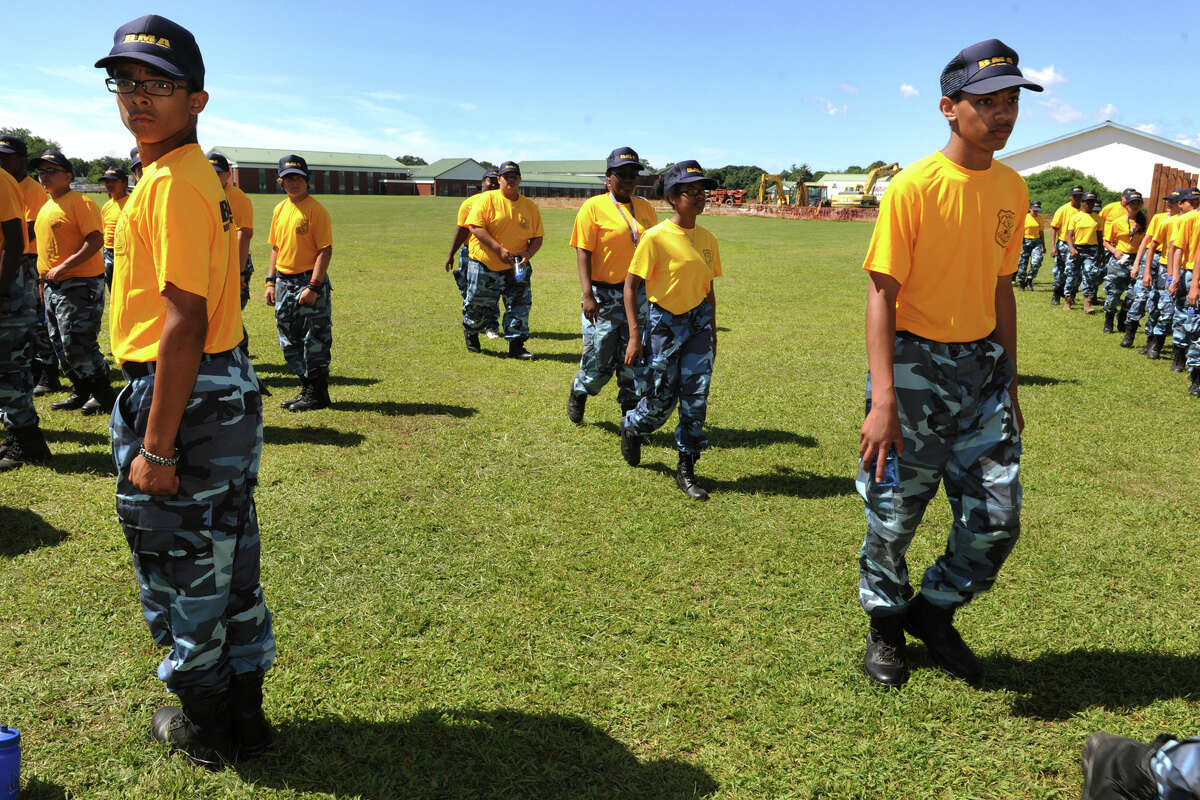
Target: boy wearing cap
{"points": [[1123, 236], [69, 237], [1083, 240], [18, 286], [942, 401], [462, 235], [301, 239], [243, 220], [507, 230], [116, 183], [1146, 274], [607, 229], [187, 429], [1032, 248], [1160, 314], [1185, 246], [1062, 250]]}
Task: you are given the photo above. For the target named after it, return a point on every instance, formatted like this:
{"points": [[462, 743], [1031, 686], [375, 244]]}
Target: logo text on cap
{"points": [[148, 38], [989, 62]]}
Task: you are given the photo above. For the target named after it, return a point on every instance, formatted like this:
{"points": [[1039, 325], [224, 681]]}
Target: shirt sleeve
{"points": [[271, 230], [585, 232], [1180, 237], [716, 255], [643, 258], [10, 203], [891, 249], [535, 214], [481, 212], [321, 226], [89, 218], [184, 236], [243, 211], [645, 213]]}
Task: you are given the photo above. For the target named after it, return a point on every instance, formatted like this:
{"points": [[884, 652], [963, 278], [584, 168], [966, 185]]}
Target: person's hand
{"points": [[153, 479], [245, 284], [307, 297], [269, 294], [634, 353], [880, 432], [590, 307], [1016, 404], [506, 255], [448, 262], [54, 274], [1146, 280], [1173, 287], [1074, 252], [714, 344], [1194, 293]]}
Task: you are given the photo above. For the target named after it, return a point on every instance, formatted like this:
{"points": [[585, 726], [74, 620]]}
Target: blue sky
{"points": [[767, 83]]}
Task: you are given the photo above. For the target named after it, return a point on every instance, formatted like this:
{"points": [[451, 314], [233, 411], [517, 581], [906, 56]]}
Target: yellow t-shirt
{"points": [[61, 226], [176, 228], [512, 223], [1154, 228], [602, 230], [1117, 232], [108, 214], [1186, 236], [1084, 228], [298, 232], [34, 197], [1111, 211], [11, 206], [946, 233], [239, 204], [1033, 226], [678, 265], [464, 210], [1061, 216]]}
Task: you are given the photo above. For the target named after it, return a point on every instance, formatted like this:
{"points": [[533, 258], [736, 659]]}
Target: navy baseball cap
{"points": [[54, 158], [686, 172], [1076, 190], [491, 173], [1036, 204], [293, 165], [161, 45], [509, 167], [1174, 196], [1132, 196], [219, 161], [983, 68], [1090, 197], [114, 174], [13, 144], [135, 158], [624, 156], [1192, 194]]}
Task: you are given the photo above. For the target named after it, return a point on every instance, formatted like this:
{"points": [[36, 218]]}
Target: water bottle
{"points": [[10, 762], [891, 471], [522, 269]]}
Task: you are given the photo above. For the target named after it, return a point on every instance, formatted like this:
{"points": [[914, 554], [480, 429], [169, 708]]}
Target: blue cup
{"points": [[10, 763]]}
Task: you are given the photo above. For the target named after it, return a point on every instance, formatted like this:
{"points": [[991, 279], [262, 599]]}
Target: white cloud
{"points": [[79, 74], [1149, 127], [1109, 111], [467, 106], [1048, 77], [1189, 141], [908, 90], [1060, 111], [395, 97], [848, 88]]}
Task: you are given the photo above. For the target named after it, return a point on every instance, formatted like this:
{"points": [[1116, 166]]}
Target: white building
{"points": [[1119, 156]]}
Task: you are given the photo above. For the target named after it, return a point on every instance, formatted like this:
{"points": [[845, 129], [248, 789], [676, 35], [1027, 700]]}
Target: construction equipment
{"points": [[864, 197], [727, 197], [811, 195], [764, 181]]}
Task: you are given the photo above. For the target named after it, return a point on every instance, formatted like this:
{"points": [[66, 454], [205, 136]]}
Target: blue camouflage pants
{"points": [[1078, 267], [1160, 316], [460, 272], [481, 305], [247, 273], [959, 430], [74, 308], [679, 365], [108, 266], [1061, 254], [18, 318], [196, 553], [1116, 282], [305, 332], [1143, 296], [1032, 251], [1184, 316], [43, 352], [1176, 769], [1090, 271], [604, 343]]}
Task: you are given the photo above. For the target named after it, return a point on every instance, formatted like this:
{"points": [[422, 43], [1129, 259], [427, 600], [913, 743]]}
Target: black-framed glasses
{"points": [[693, 191], [158, 87], [45, 171]]}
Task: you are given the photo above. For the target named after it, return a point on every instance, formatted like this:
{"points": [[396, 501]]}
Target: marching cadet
{"points": [[1160, 317], [1147, 274], [1123, 236], [116, 183], [1062, 248], [135, 164], [507, 232], [187, 429], [18, 287], [1185, 245], [69, 238], [301, 238], [243, 219], [942, 335], [1033, 247], [675, 263], [606, 232], [460, 243], [1083, 240]]}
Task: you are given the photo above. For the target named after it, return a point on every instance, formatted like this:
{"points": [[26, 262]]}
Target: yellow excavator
{"points": [[781, 197], [865, 197]]}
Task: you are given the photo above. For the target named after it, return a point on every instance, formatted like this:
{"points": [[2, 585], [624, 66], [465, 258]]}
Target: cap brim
{"points": [[10, 151], [150, 60], [641, 167], [999, 82], [709, 183], [516, 172], [292, 171]]}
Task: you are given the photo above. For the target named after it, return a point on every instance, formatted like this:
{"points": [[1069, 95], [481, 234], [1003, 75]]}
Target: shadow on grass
{"points": [[467, 753], [389, 408], [25, 531], [566, 358], [280, 374], [91, 461], [80, 437], [724, 437], [273, 434], [556, 336], [1042, 380], [1057, 686], [781, 481], [37, 789]]}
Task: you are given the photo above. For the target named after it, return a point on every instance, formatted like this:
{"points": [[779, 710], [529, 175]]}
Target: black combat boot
{"points": [[305, 390], [201, 730], [102, 396], [24, 445], [1116, 768], [575, 404], [1194, 389], [472, 340], [75, 400], [685, 477], [317, 397], [516, 349], [251, 731], [1154, 348], [884, 662], [631, 445], [934, 626], [1130, 333], [1108, 321], [1055, 296], [1179, 359], [46, 380], [1121, 316]]}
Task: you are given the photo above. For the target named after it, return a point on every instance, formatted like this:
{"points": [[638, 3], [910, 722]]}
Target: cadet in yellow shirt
{"points": [[607, 229], [507, 231], [674, 263], [243, 222], [69, 238], [1062, 250], [1159, 308], [1122, 236], [116, 183], [187, 429], [490, 182], [1185, 247], [1032, 248], [1083, 239], [301, 238], [942, 335]]}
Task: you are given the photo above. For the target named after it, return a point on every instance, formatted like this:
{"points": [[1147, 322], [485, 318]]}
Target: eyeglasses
{"points": [[694, 191], [152, 86], [45, 171]]}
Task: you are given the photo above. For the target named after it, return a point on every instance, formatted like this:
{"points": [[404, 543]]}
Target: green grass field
{"points": [[475, 598]]}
